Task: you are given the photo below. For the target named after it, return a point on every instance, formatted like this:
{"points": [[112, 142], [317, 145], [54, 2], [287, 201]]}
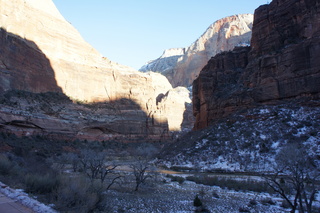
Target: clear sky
{"points": [[132, 32]]}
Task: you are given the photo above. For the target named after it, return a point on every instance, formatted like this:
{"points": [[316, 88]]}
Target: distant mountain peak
{"points": [[182, 65]]}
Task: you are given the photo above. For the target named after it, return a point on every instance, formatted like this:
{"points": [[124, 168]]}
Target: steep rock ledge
{"points": [[282, 63]]}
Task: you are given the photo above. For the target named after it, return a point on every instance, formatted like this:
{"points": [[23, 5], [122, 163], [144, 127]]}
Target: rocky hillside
{"points": [[41, 52], [182, 65], [253, 101], [281, 64], [248, 140]]}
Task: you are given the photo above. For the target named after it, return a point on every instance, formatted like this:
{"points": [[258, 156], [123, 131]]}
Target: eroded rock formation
{"points": [[282, 63], [182, 65], [42, 52], [54, 115]]}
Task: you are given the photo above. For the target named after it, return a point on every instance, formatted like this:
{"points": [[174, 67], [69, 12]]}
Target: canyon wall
{"points": [[42, 52], [182, 65], [281, 63]]}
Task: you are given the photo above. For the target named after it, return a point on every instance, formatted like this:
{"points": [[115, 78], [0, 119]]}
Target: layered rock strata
{"points": [[55, 116], [282, 63], [182, 65], [42, 52]]}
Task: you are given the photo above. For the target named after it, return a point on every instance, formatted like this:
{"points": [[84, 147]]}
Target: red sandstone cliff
{"points": [[282, 63]]}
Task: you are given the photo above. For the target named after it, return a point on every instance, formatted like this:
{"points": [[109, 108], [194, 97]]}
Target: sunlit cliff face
{"points": [[182, 65], [80, 71]]}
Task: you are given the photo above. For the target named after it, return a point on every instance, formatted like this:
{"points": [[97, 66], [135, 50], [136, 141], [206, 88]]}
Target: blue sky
{"points": [[132, 32]]}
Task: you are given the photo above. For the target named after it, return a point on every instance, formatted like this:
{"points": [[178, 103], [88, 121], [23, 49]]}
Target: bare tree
{"points": [[296, 177], [140, 171], [95, 166], [142, 168], [61, 162], [91, 163]]}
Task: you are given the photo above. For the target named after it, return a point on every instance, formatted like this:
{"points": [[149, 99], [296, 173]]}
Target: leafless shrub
{"points": [[41, 183], [297, 174], [5, 165], [77, 194], [140, 171], [95, 166]]}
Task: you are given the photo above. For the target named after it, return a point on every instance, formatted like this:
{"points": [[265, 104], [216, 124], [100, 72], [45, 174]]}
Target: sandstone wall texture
{"points": [[42, 52], [182, 65], [281, 63]]}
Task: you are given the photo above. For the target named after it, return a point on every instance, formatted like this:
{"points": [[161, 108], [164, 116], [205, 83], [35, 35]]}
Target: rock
{"points": [[217, 92], [41, 52], [281, 64], [283, 23], [79, 70], [165, 62], [23, 66], [182, 65], [55, 116], [176, 98]]}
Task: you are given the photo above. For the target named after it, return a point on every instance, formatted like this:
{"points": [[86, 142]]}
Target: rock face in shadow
{"points": [[79, 70], [20, 63], [217, 91], [55, 116], [182, 65], [42, 52], [52, 114], [282, 63]]}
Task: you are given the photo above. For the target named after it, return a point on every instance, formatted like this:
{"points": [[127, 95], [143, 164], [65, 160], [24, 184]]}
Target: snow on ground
{"points": [[174, 197], [23, 198], [247, 141]]}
